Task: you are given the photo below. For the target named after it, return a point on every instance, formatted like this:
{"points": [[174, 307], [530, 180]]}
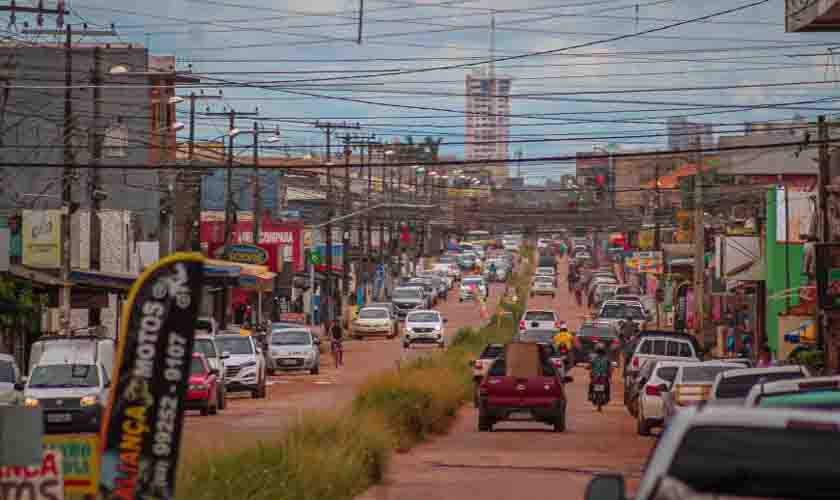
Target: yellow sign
{"points": [[632, 262], [646, 239], [42, 238], [80, 461], [685, 226]]}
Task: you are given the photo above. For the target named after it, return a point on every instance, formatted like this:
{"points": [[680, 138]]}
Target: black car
{"points": [[590, 335]]}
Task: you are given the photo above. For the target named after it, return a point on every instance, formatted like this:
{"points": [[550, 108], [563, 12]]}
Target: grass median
{"points": [[338, 456]]}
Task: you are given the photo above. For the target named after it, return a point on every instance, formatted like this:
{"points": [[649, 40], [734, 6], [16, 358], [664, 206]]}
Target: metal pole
{"points": [[345, 242], [257, 194], [67, 183], [94, 314], [824, 226], [699, 249], [191, 145]]}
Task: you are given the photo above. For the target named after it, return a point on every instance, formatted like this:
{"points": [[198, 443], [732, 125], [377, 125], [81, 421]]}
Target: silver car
{"points": [[296, 349], [11, 388], [424, 327]]}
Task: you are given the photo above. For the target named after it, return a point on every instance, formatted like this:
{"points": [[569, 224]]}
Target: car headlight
{"points": [[248, 363], [89, 401], [198, 387], [31, 403]]}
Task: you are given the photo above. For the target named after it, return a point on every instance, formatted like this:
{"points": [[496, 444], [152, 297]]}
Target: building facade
{"points": [[683, 134], [487, 121]]}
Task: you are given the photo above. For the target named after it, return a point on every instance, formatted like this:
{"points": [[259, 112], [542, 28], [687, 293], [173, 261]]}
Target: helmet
{"points": [[563, 325], [600, 348]]}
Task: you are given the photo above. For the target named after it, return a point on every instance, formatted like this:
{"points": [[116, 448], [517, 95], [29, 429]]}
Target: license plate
{"points": [[599, 387], [288, 362], [520, 415], [59, 418]]}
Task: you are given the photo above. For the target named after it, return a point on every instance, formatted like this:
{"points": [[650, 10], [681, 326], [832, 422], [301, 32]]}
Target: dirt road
{"points": [[523, 460], [291, 395]]}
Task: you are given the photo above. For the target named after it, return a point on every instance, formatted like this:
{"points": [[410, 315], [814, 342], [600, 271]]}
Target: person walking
{"points": [[337, 340]]}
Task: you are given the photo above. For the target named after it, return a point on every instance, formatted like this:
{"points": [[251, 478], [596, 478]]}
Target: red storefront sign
{"points": [[279, 240]]}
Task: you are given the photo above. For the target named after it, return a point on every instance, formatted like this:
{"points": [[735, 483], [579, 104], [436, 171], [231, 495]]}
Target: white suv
{"points": [[245, 364], [424, 327], [538, 319]]}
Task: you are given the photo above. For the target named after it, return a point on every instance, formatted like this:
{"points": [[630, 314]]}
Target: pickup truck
{"points": [[522, 385], [717, 453]]}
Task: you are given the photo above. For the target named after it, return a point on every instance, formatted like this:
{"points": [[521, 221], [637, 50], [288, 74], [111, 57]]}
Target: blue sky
{"points": [[313, 40]]}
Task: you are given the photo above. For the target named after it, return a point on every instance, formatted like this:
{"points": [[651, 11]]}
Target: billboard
{"points": [[279, 245], [42, 238]]}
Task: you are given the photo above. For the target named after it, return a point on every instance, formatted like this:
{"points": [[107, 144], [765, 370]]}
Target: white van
{"points": [[102, 349]]}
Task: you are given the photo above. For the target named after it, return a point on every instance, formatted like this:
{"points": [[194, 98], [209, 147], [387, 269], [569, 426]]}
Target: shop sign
{"points": [[632, 262], [142, 426], [650, 262], [828, 276], [38, 482], [42, 238], [79, 463], [799, 330], [245, 254]]}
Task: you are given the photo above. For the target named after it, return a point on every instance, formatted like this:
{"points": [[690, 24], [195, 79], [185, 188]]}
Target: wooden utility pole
{"points": [[824, 226], [94, 314], [699, 247]]}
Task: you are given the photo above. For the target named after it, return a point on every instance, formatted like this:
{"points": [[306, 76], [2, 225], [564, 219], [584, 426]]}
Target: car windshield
{"points": [[46, 376], [197, 367], [291, 337], [539, 316], [808, 400], [700, 374], [621, 311], [205, 346], [7, 372], [755, 462], [423, 317], [543, 279], [373, 314], [407, 293], [739, 386], [235, 345]]}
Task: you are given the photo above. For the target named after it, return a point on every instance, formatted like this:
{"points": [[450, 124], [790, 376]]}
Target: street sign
{"points": [[80, 461], [314, 257]]}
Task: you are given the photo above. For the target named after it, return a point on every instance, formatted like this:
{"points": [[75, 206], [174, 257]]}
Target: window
{"points": [[659, 347], [686, 351], [673, 349], [646, 347], [668, 373], [115, 141]]}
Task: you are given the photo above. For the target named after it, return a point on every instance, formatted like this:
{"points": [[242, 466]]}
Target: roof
{"points": [[763, 371]]}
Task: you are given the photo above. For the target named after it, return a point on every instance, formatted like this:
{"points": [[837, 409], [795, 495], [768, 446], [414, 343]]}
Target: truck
{"points": [[523, 385]]}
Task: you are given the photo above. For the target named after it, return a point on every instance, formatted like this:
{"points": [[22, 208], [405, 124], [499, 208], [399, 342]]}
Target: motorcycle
{"points": [[600, 392]]}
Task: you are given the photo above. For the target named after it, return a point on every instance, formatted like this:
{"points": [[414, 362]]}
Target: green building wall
{"points": [[775, 272]]}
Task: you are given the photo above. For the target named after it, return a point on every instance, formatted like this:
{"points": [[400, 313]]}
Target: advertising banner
{"points": [[281, 244], [38, 482], [141, 430], [651, 262], [79, 463], [828, 276], [42, 238]]}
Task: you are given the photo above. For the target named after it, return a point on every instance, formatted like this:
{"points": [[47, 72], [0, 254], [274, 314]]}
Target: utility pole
{"points": [[657, 242], [229, 213], [94, 314], [67, 182], [824, 226], [347, 208], [699, 247]]}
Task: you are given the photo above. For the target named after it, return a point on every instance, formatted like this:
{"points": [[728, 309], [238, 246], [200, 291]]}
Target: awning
{"points": [[250, 276], [115, 282], [36, 276]]}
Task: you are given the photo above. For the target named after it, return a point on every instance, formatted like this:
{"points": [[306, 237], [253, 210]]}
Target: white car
{"points": [[424, 327], [614, 312], [538, 319], [780, 388], [738, 453], [543, 285], [472, 287], [655, 378], [373, 321], [658, 347], [245, 369], [295, 349], [731, 388], [11, 383], [692, 386]]}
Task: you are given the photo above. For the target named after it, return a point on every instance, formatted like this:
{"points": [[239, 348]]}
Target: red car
{"points": [[201, 393]]}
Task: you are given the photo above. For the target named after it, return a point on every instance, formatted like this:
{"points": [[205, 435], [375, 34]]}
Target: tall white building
{"points": [[487, 117]]}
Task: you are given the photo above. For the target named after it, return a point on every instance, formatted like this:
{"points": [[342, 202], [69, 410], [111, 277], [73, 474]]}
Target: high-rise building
{"points": [[487, 120], [683, 134]]}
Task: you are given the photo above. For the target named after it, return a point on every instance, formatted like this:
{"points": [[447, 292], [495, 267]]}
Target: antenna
{"points": [[491, 70]]}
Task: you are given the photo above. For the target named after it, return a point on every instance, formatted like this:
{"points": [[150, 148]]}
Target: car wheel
{"points": [[223, 397], [484, 424], [316, 370]]}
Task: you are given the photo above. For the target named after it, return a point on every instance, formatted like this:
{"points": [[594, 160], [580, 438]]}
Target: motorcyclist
{"points": [[563, 338], [600, 367]]}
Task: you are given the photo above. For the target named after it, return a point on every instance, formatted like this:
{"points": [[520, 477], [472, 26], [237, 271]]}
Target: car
{"points": [[543, 285], [372, 321], [206, 345], [472, 287], [430, 291], [424, 327], [88, 346], [692, 386], [737, 453], [481, 364], [408, 298], [603, 292], [628, 290], [817, 393], [297, 349], [595, 283], [732, 387], [72, 395], [645, 402], [522, 384], [662, 347], [202, 394], [385, 305], [538, 319], [615, 312], [591, 334], [245, 369], [11, 382], [451, 269]]}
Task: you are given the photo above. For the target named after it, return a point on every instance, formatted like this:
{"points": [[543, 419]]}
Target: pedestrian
{"points": [[578, 295], [337, 336]]}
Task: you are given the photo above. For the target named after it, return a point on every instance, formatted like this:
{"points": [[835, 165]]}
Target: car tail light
{"points": [[521, 324], [595, 340], [557, 325], [651, 390], [616, 342], [635, 363]]}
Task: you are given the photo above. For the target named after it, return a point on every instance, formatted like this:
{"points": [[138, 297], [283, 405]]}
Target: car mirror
{"points": [[605, 487], [19, 386], [568, 380], [225, 355]]}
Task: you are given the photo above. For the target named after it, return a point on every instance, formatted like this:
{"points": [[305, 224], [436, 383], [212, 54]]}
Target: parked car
{"points": [[522, 384], [813, 393], [644, 399], [296, 349], [543, 285], [538, 319], [658, 346], [408, 298], [472, 287], [424, 327], [731, 388], [430, 291], [245, 369], [385, 305], [205, 345], [692, 386], [373, 321], [202, 393], [591, 334], [737, 453], [11, 382]]}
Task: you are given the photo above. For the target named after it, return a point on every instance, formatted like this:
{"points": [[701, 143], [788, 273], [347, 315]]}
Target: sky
{"points": [[299, 61]]}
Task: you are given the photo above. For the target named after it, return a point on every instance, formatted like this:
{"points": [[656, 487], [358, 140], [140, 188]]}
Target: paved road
{"points": [[247, 420], [523, 460]]}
